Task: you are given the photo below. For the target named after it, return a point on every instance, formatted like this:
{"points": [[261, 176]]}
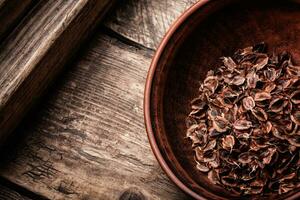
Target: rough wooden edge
{"points": [[11, 191], [50, 63], [11, 12], [8, 194]]}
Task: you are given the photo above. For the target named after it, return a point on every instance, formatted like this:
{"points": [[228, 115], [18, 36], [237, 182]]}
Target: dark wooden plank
{"points": [[11, 12], [11, 191], [146, 21], [38, 49], [88, 139], [8, 194]]}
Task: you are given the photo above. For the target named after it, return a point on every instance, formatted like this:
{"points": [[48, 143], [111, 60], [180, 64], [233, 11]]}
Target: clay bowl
{"points": [[207, 31]]}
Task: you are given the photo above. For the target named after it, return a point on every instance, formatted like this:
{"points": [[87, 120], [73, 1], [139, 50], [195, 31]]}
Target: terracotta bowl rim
{"points": [[147, 100], [147, 97]]}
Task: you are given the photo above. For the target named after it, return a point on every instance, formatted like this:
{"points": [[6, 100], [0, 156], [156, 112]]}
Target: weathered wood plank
{"points": [[38, 49], [146, 21], [11, 12], [88, 140]]}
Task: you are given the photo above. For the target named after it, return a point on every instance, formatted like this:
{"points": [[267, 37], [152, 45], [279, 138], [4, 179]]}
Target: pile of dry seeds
{"points": [[244, 125]]}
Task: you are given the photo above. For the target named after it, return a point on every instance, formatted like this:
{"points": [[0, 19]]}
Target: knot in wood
{"points": [[132, 194]]}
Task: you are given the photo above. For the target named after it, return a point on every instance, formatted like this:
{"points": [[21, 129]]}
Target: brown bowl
{"points": [[207, 31]]}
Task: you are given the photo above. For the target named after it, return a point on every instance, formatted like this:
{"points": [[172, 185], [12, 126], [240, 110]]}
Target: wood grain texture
{"points": [[8, 194], [146, 21], [11, 12], [88, 141], [38, 49], [11, 191]]}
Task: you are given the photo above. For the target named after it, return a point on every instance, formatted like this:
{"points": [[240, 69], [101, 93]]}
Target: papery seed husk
{"points": [[260, 114], [261, 62], [295, 83], [245, 158], [211, 83], [248, 103], [277, 133], [190, 121], [198, 153], [270, 74], [209, 156], [213, 132], [257, 132], [198, 103], [293, 71], [229, 63], [202, 167], [211, 145], [213, 176], [261, 96], [295, 141], [220, 124], [229, 181], [295, 97], [198, 113], [237, 80], [288, 177], [276, 105], [252, 79], [268, 127], [244, 124], [268, 158], [215, 163], [269, 87], [228, 142]]}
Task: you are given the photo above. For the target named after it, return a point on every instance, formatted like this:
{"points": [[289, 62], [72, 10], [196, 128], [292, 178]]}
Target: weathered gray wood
{"points": [[12, 11], [88, 140], [146, 21], [38, 49]]}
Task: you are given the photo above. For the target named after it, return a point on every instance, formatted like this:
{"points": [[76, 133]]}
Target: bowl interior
{"points": [[214, 30]]}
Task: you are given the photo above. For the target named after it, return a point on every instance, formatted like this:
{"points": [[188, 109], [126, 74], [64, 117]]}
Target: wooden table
{"points": [[86, 138]]}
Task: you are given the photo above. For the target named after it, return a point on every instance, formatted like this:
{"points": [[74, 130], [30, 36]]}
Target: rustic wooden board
{"points": [[11, 12], [87, 138], [146, 21], [38, 49], [89, 141]]}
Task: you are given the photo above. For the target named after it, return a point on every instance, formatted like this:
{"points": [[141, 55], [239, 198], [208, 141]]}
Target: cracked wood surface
{"points": [[86, 139], [146, 21]]}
